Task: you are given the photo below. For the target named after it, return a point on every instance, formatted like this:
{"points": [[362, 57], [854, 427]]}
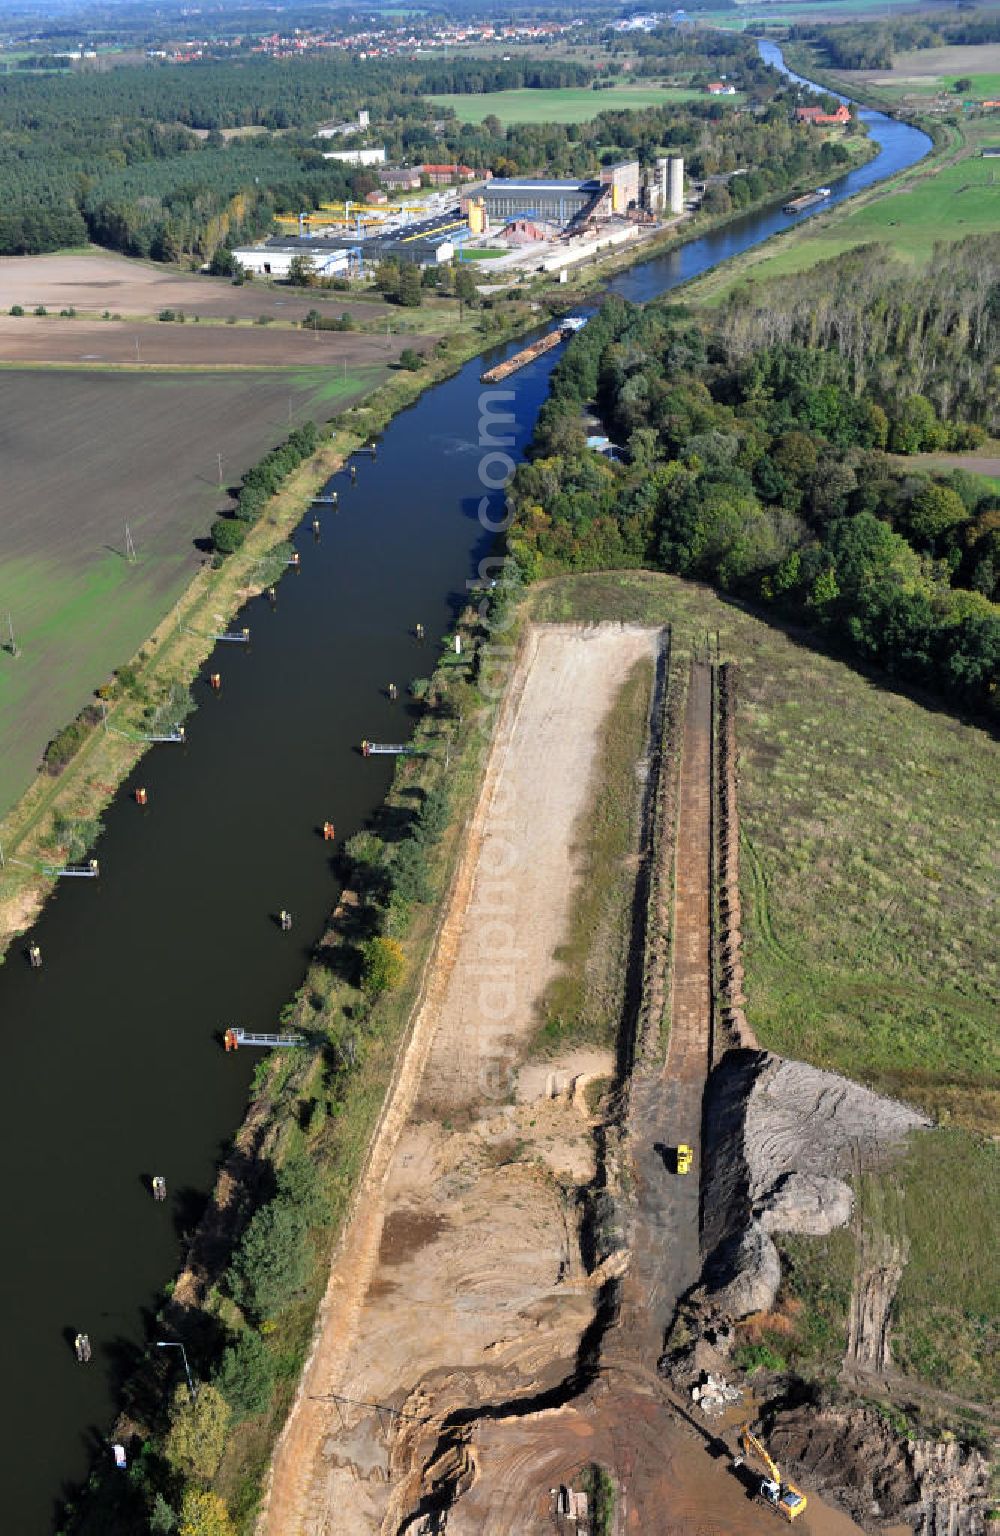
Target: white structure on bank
{"points": [[675, 184], [276, 260], [357, 156]]}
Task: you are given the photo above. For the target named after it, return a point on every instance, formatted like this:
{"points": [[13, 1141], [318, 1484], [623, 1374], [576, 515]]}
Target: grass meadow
{"points": [[869, 844], [562, 105]]}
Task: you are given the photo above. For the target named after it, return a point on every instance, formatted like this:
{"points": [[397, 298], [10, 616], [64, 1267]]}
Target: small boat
{"points": [[81, 1348], [159, 1187]]}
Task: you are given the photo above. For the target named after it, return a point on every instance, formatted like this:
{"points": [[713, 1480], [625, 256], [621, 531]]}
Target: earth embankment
{"points": [[461, 1281]]}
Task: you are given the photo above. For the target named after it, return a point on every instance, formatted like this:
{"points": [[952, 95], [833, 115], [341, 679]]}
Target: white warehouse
{"points": [[276, 260], [357, 156]]}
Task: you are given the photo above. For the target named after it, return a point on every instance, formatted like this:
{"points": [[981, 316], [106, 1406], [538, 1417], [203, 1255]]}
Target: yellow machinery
{"points": [[783, 1497], [685, 1157]]}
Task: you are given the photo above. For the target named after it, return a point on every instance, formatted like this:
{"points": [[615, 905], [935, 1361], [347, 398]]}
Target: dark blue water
{"points": [[113, 1068]]}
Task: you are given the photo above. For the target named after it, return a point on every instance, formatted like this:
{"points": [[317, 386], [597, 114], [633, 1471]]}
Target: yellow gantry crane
{"points": [[788, 1501]]}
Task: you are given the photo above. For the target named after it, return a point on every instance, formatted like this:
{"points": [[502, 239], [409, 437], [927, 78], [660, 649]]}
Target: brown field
{"points": [[85, 450], [53, 340], [94, 281], [930, 63]]}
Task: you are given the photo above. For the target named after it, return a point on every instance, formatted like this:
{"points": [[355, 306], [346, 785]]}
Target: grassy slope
{"points": [[567, 105], [870, 840]]}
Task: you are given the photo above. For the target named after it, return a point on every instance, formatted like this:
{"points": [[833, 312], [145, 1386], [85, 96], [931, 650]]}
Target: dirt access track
{"points": [[460, 1280]]}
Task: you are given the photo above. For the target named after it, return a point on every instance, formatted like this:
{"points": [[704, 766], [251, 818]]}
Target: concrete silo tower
{"points": [[675, 184]]}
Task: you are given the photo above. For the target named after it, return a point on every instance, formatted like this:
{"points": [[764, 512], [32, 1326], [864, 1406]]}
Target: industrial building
{"points": [[429, 242], [357, 156], [614, 191], [327, 258]]}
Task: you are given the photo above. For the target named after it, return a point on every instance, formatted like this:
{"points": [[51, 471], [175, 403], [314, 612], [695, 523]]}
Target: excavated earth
{"points": [[466, 1246], [495, 1319]]}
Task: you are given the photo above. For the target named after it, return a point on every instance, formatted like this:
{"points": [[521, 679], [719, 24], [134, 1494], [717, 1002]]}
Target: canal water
{"points": [[113, 1064]]}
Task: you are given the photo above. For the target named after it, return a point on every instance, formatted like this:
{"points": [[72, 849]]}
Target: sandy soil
{"points": [[460, 1281], [94, 281], [54, 340]]}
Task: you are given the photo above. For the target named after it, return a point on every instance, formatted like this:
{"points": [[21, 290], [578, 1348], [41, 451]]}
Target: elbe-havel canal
{"points": [[113, 1067]]}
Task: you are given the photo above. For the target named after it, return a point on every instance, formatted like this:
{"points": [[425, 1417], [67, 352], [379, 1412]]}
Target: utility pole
{"points": [[12, 646], [137, 349], [219, 457], [130, 554]]}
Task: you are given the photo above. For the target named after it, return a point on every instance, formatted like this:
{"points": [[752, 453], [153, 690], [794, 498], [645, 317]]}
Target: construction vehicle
{"points": [[685, 1157], [788, 1501]]}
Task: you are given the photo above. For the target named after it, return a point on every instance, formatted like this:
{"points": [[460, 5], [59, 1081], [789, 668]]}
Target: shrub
{"points": [[410, 880], [246, 1375], [197, 1435], [271, 1263], [40, 309], [227, 535], [65, 744], [166, 314], [17, 309], [410, 360], [382, 966], [204, 1514]]}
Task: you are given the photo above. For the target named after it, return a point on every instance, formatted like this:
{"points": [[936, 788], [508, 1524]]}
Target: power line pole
{"points": [[219, 457], [12, 646], [130, 554]]}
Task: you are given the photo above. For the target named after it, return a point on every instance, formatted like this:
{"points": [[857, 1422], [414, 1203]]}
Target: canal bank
{"points": [[177, 940]]}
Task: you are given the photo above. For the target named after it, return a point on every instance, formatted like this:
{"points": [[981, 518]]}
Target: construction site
{"points": [[529, 1324]]}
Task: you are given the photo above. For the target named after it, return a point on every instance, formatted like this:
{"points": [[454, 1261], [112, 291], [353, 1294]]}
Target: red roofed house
{"points": [[444, 175], [817, 116]]}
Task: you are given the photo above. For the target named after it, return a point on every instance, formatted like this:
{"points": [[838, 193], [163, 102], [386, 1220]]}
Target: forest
{"points": [[872, 44], [765, 450], [137, 160]]}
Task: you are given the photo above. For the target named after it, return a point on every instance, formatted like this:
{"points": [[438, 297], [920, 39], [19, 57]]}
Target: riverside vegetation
{"points": [[249, 1328], [764, 448]]}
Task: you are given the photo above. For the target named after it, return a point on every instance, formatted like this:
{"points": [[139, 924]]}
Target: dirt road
{"points": [[666, 1104], [460, 1281]]}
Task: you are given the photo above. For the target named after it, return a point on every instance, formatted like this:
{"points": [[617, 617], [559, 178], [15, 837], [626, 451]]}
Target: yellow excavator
{"points": [[788, 1501]]}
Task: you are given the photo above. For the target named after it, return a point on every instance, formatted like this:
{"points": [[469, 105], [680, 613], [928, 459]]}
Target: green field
{"points": [[569, 105], [79, 609], [942, 200]]}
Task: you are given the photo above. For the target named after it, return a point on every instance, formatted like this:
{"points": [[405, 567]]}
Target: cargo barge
{"points": [[807, 200], [536, 349]]}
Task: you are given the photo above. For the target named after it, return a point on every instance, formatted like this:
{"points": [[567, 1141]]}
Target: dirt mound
{"points": [[779, 1136], [938, 1487]]}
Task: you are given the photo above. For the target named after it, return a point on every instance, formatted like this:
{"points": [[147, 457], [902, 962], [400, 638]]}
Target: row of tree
{"points": [[773, 462]]}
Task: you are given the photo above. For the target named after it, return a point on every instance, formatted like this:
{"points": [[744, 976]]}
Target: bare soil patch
{"points": [[55, 340], [493, 1304], [95, 281]]}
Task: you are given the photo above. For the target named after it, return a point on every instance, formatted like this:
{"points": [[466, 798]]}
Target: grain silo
{"points": [[675, 184]]}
